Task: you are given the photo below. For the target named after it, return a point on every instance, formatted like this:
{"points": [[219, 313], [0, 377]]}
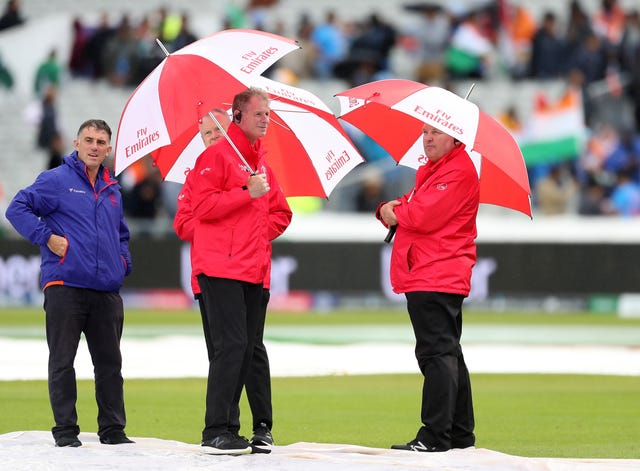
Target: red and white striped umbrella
{"points": [[305, 144], [188, 84], [393, 112]]}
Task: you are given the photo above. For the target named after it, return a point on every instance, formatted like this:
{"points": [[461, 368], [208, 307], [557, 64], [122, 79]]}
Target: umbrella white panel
{"points": [[142, 128], [249, 54], [331, 154], [445, 111]]}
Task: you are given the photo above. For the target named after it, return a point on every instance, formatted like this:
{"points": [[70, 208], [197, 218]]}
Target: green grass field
{"points": [[528, 415]]}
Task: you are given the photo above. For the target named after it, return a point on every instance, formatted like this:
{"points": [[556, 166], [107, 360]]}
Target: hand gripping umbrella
{"points": [[393, 112]]}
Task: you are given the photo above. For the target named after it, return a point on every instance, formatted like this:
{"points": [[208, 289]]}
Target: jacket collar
{"points": [[446, 158], [251, 153], [79, 167]]}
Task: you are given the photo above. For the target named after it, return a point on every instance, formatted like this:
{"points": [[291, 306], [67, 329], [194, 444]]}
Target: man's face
{"points": [[92, 146], [209, 130], [436, 143], [255, 118]]}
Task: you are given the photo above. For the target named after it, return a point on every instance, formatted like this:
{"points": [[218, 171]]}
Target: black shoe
{"points": [[262, 436], [68, 440], [227, 443], [416, 445], [115, 438]]}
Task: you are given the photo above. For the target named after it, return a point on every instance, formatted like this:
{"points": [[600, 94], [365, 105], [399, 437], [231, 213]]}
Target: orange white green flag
{"points": [[555, 132]]}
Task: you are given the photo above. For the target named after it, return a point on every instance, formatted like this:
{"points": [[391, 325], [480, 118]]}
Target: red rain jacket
{"points": [[434, 247], [232, 233]]}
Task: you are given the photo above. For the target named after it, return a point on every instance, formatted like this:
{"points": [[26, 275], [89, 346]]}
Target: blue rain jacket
{"points": [[63, 201]]}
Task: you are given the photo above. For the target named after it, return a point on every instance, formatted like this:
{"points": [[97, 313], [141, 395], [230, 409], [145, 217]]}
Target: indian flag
{"points": [[555, 132]]}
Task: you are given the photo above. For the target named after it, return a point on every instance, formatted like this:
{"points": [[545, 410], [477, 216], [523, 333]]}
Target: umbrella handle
{"points": [[224, 133], [390, 234]]}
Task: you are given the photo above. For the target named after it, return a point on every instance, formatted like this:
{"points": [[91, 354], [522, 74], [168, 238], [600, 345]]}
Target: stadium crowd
{"points": [[595, 54]]}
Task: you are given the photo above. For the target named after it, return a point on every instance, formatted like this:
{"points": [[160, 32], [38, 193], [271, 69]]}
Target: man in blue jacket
{"points": [[74, 213]]}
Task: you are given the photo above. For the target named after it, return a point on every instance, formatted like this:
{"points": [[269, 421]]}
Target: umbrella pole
{"points": [[470, 90], [224, 133], [215, 120]]}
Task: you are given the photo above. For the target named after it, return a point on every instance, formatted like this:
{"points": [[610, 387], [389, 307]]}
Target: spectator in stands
{"points": [[11, 16], [330, 45], [592, 199], [556, 192], [148, 54], [6, 78], [578, 26], [78, 63], [48, 124], [625, 155], [427, 41], [630, 61], [142, 194], [519, 28], [471, 52], [185, 36], [48, 74], [608, 23], [371, 191], [368, 55], [590, 58], [120, 54], [625, 197], [96, 44], [56, 151], [630, 41], [548, 50]]}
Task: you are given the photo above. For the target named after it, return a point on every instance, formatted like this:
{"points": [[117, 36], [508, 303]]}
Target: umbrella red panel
{"points": [[388, 127], [189, 87], [498, 188], [289, 161], [502, 152], [165, 156]]}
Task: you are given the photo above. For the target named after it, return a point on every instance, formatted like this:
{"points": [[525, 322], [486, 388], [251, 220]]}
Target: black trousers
{"points": [[234, 312], [258, 381], [447, 406], [100, 316]]}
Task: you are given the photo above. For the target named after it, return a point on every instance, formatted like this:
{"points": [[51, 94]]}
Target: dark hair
{"points": [[241, 99], [99, 124]]}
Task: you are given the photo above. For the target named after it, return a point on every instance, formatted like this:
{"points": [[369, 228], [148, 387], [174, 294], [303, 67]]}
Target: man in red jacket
{"points": [[258, 382], [432, 257], [239, 209]]}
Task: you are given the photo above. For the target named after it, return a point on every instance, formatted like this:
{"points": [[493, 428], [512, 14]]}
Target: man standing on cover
{"points": [[74, 213], [238, 212], [433, 254], [258, 382]]}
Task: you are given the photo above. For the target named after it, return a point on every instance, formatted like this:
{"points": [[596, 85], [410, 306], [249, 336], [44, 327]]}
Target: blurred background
{"points": [[563, 76]]}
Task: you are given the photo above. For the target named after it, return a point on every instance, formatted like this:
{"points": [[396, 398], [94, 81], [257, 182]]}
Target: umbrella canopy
{"points": [[305, 144], [188, 84], [393, 112]]}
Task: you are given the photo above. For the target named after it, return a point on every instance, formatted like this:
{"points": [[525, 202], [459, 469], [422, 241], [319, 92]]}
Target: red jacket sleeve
{"points": [[279, 211], [184, 222]]}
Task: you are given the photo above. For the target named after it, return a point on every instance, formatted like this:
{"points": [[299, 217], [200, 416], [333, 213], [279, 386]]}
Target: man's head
{"points": [[93, 143], [436, 143], [251, 112], [209, 130]]}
